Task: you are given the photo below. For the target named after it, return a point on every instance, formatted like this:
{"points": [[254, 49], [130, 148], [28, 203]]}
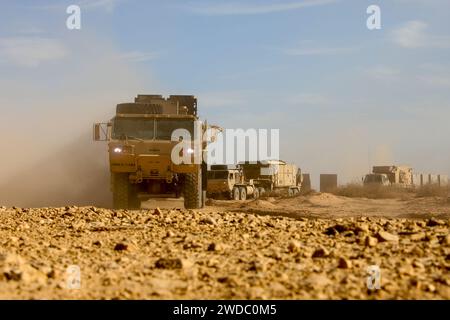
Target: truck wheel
{"points": [[243, 193], [236, 194], [121, 190], [193, 190], [255, 193], [134, 202], [291, 192], [261, 191]]}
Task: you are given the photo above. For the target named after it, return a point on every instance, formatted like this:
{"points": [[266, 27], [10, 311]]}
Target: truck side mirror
{"points": [[100, 132]]}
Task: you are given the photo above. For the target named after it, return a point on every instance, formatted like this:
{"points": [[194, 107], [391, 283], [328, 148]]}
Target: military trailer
{"points": [[272, 176], [140, 145]]}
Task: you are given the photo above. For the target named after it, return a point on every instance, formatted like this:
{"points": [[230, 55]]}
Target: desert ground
{"points": [[316, 246]]}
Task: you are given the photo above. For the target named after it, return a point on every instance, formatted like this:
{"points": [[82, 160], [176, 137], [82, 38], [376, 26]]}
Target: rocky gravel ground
{"points": [[210, 254]]}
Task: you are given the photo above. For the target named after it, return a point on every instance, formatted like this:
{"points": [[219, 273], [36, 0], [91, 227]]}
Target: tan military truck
{"points": [[140, 145], [390, 175], [221, 180], [254, 179]]}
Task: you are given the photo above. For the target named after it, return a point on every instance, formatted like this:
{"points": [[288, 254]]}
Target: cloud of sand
{"points": [[47, 111]]}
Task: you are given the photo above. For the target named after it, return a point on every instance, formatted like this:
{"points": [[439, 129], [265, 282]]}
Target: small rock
{"points": [[406, 270], [320, 253], [215, 247], [418, 236], [336, 229], [121, 247], [172, 263], [157, 211], [435, 222], [344, 263], [421, 223], [193, 244], [386, 236], [294, 246], [97, 243], [363, 227], [348, 233], [208, 220], [13, 240], [169, 234], [315, 281], [446, 240], [430, 287], [257, 266], [370, 241], [231, 281]]}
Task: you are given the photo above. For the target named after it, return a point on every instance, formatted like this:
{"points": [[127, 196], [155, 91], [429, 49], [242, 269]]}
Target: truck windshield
{"points": [[133, 128], [144, 128], [165, 127], [218, 174], [373, 179]]}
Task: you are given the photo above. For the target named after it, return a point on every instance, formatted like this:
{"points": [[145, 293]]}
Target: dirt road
{"points": [[312, 247]]}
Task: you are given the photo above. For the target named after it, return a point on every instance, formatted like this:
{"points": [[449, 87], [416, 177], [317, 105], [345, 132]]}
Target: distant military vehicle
{"points": [[390, 175], [376, 178], [254, 179], [140, 147], [221, 180]]}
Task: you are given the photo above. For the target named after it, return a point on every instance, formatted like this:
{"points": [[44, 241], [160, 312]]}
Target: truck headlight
{"points": [[117, 150]]}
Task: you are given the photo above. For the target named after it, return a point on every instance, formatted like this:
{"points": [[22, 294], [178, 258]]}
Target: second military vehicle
{"points": [[254, 179]]}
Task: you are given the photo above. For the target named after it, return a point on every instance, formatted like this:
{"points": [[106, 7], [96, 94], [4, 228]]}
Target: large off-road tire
{"points": [[125, 194], [193, 190], [255, 193], [235, 194], [261, 191], [134, 202], [121, 190], [243, 193], [290, 192]]}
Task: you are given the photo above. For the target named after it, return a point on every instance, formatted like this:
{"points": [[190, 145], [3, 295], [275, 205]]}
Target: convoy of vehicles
{"points": [[141, 144], [249, 179]]}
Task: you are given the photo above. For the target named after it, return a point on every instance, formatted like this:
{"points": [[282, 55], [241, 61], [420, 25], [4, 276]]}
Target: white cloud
{"points": [[30, 51], [138, 56], [413, 34], [236, 8]]}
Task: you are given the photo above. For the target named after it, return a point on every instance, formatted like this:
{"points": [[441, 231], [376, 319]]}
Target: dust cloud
{"points": [[48, 156], [76, 174]]}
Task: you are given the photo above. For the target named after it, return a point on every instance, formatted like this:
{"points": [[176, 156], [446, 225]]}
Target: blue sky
{"points": [[343, 96]]}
